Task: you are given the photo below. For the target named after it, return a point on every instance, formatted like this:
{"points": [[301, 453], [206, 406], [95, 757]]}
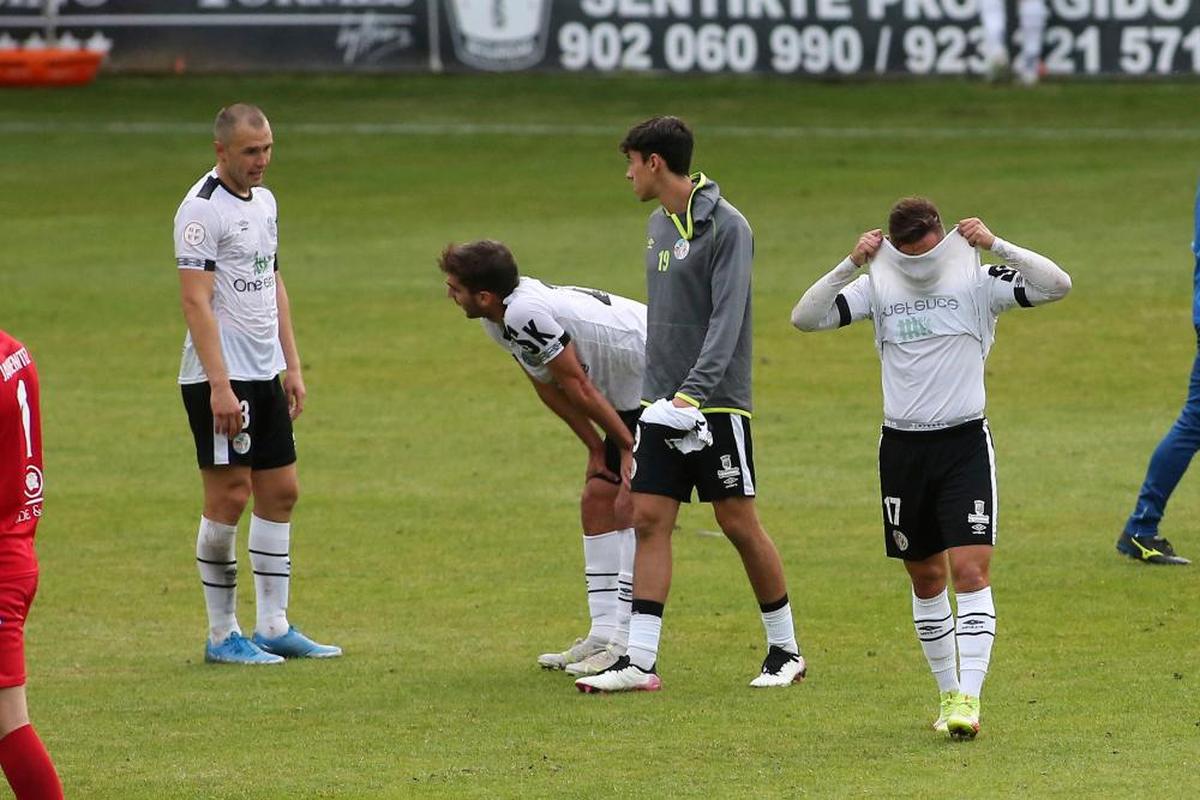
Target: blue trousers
{"points": [[1170, 461]]}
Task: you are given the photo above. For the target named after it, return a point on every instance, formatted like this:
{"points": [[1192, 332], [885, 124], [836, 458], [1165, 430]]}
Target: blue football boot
{"points": [[237, 649], [295, 644]]}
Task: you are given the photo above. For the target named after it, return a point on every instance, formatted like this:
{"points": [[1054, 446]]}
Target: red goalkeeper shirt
{"points": [[20, 459]]}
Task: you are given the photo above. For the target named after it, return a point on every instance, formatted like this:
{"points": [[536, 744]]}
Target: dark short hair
{"points": [[486, 265], [670, 137], [911, 219]]}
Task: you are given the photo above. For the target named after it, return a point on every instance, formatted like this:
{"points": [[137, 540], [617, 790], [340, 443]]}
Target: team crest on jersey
{"points": [[979, 518], [901, 540], [261, 263], [681, 249], [33, 482], [194, 234], [241, 443]]}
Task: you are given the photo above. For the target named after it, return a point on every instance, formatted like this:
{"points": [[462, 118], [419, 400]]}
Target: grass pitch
{"points": [[437, 535]]}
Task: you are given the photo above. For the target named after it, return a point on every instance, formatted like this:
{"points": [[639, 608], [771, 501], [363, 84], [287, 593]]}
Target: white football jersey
{"points": [[236, 238], [609, 333], [935, 320]]}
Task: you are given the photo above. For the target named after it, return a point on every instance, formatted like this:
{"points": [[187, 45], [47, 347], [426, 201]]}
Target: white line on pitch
{"points": [[555, 129]]}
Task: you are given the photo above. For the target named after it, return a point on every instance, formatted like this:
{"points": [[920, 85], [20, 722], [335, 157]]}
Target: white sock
{"points": [[1031, 18], [976, 632], [216, 558], [602, 567], [645, 628], [272, 573], [781, 630], [934, 622], [620, 640], [992, 17]]}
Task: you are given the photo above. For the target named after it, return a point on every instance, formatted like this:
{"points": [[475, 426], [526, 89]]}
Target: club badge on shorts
{"points": [[681, 249], [241, 443], [979, 520], [901, 540]]}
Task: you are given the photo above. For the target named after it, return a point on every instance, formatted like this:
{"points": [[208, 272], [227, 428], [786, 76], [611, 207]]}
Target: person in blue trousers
{"points": [[1141, 539]]}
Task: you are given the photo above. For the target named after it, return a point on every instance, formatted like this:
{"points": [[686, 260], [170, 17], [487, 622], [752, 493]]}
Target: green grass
{"points": [[437, 538]]}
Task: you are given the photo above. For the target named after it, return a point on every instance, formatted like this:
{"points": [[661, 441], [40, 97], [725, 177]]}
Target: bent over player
{"points": [[23, 757], [934, 307], [239, 339], [584, 352]]}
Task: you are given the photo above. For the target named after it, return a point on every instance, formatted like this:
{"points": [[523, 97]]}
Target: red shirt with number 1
{"points": [[20, 459]]}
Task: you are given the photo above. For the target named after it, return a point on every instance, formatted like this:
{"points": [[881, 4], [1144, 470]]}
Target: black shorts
{"points": [[723, 469], [266, 439], [612, 453], [938, 489]]}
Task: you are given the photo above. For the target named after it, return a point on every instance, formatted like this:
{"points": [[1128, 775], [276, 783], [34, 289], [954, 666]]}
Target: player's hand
{"points": [[596, 467], [226, 410], [678, 403], [293, 389], [626, 468], [976, 233], [866, 248]]}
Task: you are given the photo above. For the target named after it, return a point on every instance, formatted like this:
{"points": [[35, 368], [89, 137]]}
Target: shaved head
{"points": [[231, 117]]}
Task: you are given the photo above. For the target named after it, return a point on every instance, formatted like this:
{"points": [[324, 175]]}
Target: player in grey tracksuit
{"points": [[695, 430]]}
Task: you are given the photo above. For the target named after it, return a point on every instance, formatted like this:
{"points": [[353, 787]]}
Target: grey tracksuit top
{"points": [[698, 303]]}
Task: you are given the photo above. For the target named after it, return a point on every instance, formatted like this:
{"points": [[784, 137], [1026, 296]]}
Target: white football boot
{"points": [[622, 676], [596, 662], [572, 655], [780, 668]]}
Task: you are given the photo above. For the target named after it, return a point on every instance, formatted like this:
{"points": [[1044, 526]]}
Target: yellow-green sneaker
{"points": [[963, 722], [949, 700]]}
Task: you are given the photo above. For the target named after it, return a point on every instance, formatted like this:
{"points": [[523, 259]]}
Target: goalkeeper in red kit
{"points": [[26, 764]]}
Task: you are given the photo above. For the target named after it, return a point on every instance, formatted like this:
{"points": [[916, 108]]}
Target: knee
{"points": [[927, 586], [597, 498], [970, 577], [738, 519], [928, 577], [231, 499], [648, 524], [286, 496]]}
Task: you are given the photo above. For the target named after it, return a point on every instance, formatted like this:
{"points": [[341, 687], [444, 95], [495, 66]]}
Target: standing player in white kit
{"points": [[934, 307]]}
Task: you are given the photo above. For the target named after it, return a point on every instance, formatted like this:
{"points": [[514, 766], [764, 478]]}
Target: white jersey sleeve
{"points": [[854, 302], [1026, 278], [538, 338], [836, 300], [197, 234]]}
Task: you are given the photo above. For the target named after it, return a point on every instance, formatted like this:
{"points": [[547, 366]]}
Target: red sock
{"points": [[28, 767]]}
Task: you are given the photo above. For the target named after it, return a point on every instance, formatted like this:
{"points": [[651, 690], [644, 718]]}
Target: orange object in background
{"points": [[48, 67]]}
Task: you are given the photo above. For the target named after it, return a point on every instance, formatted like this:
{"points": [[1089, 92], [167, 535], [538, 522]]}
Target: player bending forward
{"points": [[584, 352], [934, 307]]}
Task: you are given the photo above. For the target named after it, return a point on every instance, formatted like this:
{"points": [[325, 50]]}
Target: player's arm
{"points": [[196, 292], [1042, 281], [733, 255], [577, 420], [293, 379], [568, 373], [825, 305]]}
